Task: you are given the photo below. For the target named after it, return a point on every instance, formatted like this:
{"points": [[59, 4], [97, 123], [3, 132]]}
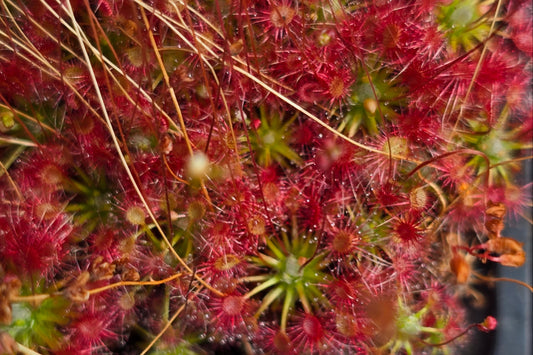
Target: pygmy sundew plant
{"points": [[272, 176]]}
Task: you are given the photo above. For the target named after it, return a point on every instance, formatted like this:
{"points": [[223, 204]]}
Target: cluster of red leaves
{"points": [[212, 144]]}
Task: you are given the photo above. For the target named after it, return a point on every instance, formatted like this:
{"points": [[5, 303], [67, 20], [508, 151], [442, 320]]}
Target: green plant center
{"points": [[292, 270]]}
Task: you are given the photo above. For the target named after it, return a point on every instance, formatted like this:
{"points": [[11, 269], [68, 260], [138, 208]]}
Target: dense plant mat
{"points": [[311, 177]]}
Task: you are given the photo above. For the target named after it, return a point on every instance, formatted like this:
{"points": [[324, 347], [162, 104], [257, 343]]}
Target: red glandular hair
{"points": [[32, 241]]}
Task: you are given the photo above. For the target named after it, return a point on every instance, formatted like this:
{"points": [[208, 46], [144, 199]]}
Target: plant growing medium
{"points": [[273, 176]]}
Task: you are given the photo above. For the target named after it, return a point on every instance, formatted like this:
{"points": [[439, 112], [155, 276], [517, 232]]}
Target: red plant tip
{"points": [[31, 244], [256, 123], [232, 305], [309, 334], [312, 327], [256, 225], [343, 242], [337, 88], [282, 343], [407, 231], [92, 329], [282, 15], [233, 315], [51, 175], [226, 262], [346, 324], [488, 324], [226, 285]]}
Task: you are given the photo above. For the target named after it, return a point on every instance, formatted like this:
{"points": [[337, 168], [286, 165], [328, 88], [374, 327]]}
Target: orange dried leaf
{"points": [[514, 260], [510, 250], [460, 268], [494, 219], [495, 210]]}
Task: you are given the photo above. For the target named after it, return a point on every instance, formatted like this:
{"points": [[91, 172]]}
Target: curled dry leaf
{"points": [[510, 251], [494, 219], [130, 274], [77, 291], [101, 270], [460, 268]]}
